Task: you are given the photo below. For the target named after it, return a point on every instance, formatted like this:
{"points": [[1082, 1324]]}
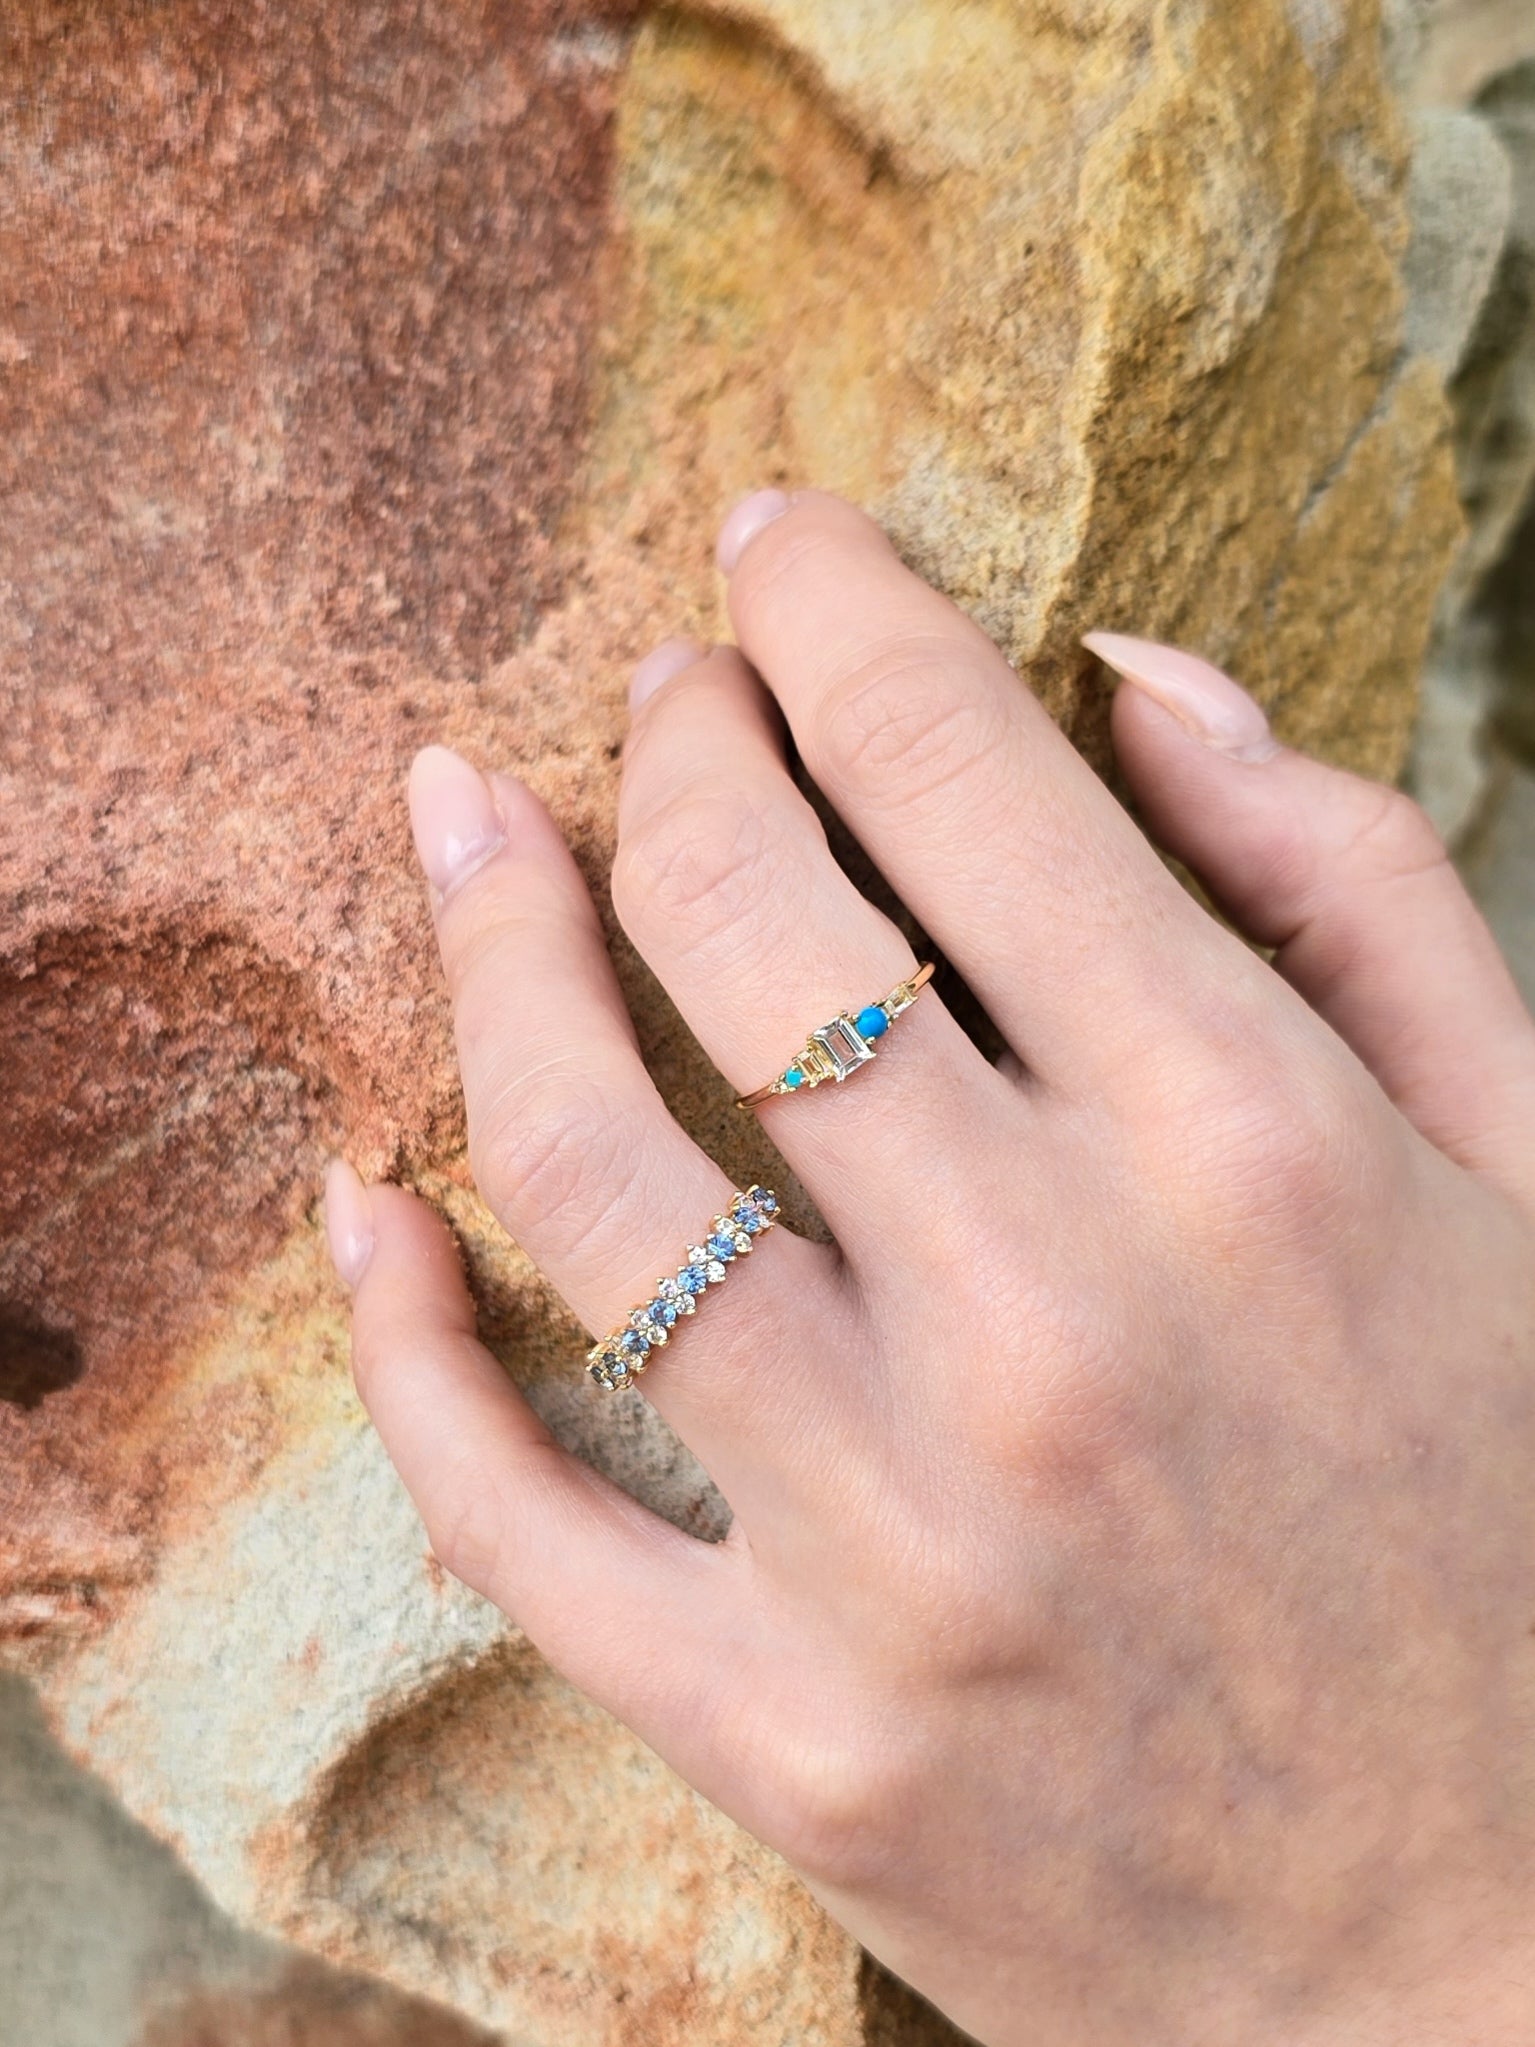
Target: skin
{"points": [[1127, 1627]]}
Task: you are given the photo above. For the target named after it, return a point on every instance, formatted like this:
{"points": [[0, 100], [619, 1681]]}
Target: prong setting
{"points": [[618, 1360]]}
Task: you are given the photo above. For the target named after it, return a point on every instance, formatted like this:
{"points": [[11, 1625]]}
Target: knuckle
{"points": [[545, 1148], [367, 1361], [1087, 1413], [1391, 838], [900, 721], [469, 1534], [837, 1800], [701, 861], [482, 1514], [1279, 1151]]}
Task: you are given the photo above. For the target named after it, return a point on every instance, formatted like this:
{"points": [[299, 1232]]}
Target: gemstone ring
{"points": [[836, 1049], [619, 1358]]}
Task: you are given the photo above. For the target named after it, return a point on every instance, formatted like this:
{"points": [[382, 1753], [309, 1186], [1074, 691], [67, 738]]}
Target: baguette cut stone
{"points": [[844, 1046]]}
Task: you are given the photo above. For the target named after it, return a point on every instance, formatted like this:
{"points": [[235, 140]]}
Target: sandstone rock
{"points": [[1499, 868], [1463, 44], [1494, 392], [1460, 196], [1451, 768], [370, 375], [1481, 670], [105, 1942]]}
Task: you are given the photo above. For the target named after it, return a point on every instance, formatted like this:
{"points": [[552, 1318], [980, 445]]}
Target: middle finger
{"points": [[981, 814]]}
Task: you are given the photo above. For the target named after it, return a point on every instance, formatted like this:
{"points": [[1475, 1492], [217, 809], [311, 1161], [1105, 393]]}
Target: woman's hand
{"points": [[1128, 1622]]}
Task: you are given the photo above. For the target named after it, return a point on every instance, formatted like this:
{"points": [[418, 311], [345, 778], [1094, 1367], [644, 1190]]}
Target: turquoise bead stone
{"points": [[793, 1078], [872, 1023]]}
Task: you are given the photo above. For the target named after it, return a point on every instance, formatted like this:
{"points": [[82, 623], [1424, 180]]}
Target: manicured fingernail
{"points": [[452, 815], [744, 524], [669, 659], [348, 1221], [1206, 703]]}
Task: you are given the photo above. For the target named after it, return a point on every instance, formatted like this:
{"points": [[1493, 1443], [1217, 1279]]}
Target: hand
{"points": [[1126, 1623]]}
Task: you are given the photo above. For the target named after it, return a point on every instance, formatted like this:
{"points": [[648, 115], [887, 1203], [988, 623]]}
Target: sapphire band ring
{"points": [[620, 1357], [840, 1047]]}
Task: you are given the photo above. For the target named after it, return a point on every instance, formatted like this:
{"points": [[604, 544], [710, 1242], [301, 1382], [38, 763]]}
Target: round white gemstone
{"points": [[714, 1270]]}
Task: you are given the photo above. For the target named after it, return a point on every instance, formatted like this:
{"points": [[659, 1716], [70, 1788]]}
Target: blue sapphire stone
{"points": [[662, 1311], [749, 1220], [872, 1022], [635, 1345], [723, 1248], [767, 1202], [693, 1278]]}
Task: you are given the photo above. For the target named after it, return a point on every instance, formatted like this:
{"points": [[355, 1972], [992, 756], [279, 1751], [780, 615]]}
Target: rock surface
{"points": [[1479, 699], [106, 1942], [1461, 45], [1494, 390], [376, 374]]}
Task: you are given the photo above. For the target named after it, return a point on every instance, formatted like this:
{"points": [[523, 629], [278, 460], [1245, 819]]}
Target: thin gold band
{"points": [[840, 1047]]}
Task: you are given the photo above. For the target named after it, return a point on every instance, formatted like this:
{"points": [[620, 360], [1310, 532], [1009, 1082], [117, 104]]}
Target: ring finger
{"points": [[572, 1147]]}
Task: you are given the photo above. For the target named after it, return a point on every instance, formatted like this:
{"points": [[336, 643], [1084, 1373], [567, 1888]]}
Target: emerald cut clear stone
{"points": [[844, 1046]]}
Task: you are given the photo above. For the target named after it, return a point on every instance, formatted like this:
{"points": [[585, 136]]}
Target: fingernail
{"points": [[1206, 703], [348, 1221], [452, 815], [744, 524], [669, 659]]}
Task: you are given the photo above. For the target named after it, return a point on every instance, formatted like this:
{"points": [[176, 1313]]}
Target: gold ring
{"points": [[620, 1357], [840, 1047]]}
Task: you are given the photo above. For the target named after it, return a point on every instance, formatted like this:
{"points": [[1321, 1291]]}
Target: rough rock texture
{"points": [[1478, 722], [378, 373], [1494, 391], [106, 1942]]}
